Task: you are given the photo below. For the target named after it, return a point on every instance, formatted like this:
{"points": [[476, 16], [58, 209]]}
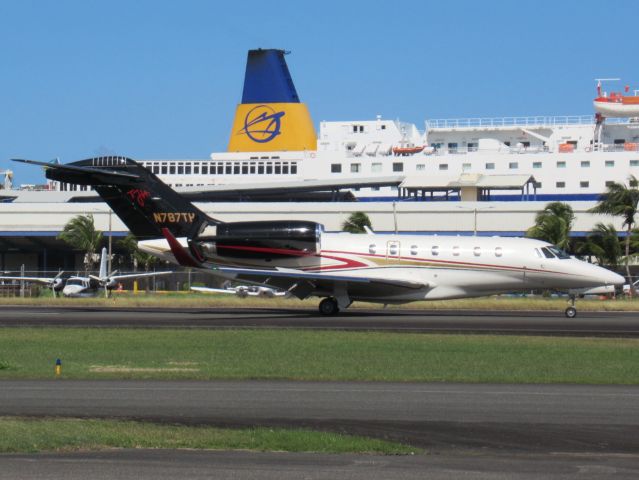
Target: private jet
{"points": [[300, 258]]}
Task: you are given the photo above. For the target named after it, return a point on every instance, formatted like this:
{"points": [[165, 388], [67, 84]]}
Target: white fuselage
{"points": [[448, 267]]}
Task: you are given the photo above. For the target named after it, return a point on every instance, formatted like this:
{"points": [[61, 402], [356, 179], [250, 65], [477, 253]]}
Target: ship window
{"points": [[619, 141], [285, 168], [398, 167], [275, 157], [372, 249], [585, 164], [490, 166], [383, 127], [452, 147], [560, 184], [236, 169], [561, 164], [634, 163], [361, 128], [205, 169], [269, 168], [294, 168], [356, 167], [609, 183], [376, 167], [196, 168], [456, 251], [245, 169], [420, 167], [253, 158], [473, 146], [229, 169], [187, 169], [584, 184], [172, 169], [220, 168], [413, 249], [354, 128], [498, 251], [264, 158], [507, 144], [156, 169], [513, 165], [466, 167], [252, 168], [477, 251], [278, 168], [180, 169], [336, 168], [443, 166], [537, 184], [610, 163], [260, 168], [434, 250], [536, 164], [527, 144], [164, 168]]}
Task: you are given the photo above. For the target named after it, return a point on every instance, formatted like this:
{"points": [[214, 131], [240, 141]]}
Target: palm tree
{"points": [[80, 233], [603, 243], [553, 224], [621, 200], [138, 257], [356, 222]]}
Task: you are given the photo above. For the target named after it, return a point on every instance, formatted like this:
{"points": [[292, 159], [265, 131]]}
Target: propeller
{"points": [[56, 283]]}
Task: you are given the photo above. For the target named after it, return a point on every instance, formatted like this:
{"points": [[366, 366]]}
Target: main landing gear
{"points": [[328, 306], [571, 311]]}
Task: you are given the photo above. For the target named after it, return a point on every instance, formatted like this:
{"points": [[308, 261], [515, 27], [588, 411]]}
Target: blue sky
{"points": [[160, 79]]}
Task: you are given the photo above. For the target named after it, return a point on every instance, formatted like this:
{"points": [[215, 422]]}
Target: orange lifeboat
{"points": [[617, 104], [408, 150]]}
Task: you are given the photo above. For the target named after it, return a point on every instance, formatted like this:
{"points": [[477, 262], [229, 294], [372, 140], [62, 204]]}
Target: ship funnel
{"points": [[271, 116]]}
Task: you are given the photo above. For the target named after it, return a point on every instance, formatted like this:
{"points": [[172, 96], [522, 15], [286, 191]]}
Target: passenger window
{"points": [[434, 251], [372, 249], [477, 251], [413, 249], [498, 252], [456, 251]]}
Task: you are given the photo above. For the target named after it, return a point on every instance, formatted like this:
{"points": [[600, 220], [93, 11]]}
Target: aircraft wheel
{"points": [[328, 306], [571, 312]]}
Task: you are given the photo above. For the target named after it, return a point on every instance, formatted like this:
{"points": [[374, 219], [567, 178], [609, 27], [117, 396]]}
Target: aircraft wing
{"points": [[43, 280], [298, 282], [115, 278], [213, 290]]}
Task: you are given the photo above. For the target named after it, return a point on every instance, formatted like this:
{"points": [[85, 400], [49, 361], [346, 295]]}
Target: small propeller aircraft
{"points": [[79, 286]]}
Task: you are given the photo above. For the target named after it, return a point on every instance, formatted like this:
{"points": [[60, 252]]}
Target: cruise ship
{"points": [[542, 158]]}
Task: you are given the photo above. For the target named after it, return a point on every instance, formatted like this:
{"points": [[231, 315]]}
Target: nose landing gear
{"points": [[571, 311]]}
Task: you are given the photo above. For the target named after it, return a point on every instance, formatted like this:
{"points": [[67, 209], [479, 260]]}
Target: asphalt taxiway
{"points": [[611, 324]]}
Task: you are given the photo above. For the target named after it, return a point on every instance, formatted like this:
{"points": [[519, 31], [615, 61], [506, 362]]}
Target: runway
{"points": [[439, 417], [586, 324]]}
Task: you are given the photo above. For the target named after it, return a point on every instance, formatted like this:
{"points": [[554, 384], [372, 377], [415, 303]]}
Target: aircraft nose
{"points": [[615, 279]]}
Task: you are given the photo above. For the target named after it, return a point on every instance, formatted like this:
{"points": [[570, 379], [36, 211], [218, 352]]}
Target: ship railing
{"points": [[549, 121]]}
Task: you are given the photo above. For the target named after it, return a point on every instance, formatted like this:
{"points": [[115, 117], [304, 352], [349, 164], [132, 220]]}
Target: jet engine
{"points": [[260, 240]]}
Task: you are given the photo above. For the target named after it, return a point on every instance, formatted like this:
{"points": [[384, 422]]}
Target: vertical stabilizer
{"points": [[271, 116], [103, 263]]}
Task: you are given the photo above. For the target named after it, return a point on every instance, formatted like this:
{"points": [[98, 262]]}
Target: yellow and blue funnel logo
{"points": [[271, 127], [270, 117]]}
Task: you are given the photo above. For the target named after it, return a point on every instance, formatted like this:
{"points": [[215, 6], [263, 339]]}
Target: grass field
{"points": [[31, 435], [314, 355], [191, 300]]}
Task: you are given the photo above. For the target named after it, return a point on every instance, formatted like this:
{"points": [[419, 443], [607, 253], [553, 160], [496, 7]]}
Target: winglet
{"points": [[183, 257]]}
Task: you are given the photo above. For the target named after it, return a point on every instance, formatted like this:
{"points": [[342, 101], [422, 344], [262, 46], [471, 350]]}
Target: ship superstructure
{"points": [[511, 158]]}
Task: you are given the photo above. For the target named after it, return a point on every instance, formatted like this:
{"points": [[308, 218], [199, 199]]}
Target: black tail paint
{"points": [[142, 201]]}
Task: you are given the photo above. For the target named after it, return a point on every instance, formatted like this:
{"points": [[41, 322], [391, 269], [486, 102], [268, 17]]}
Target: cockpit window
{"points": [[558, 252], [547, 253]]}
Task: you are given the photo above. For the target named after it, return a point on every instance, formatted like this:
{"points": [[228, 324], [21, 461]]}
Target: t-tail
{"points": [[271, 116], [143, 202]]}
